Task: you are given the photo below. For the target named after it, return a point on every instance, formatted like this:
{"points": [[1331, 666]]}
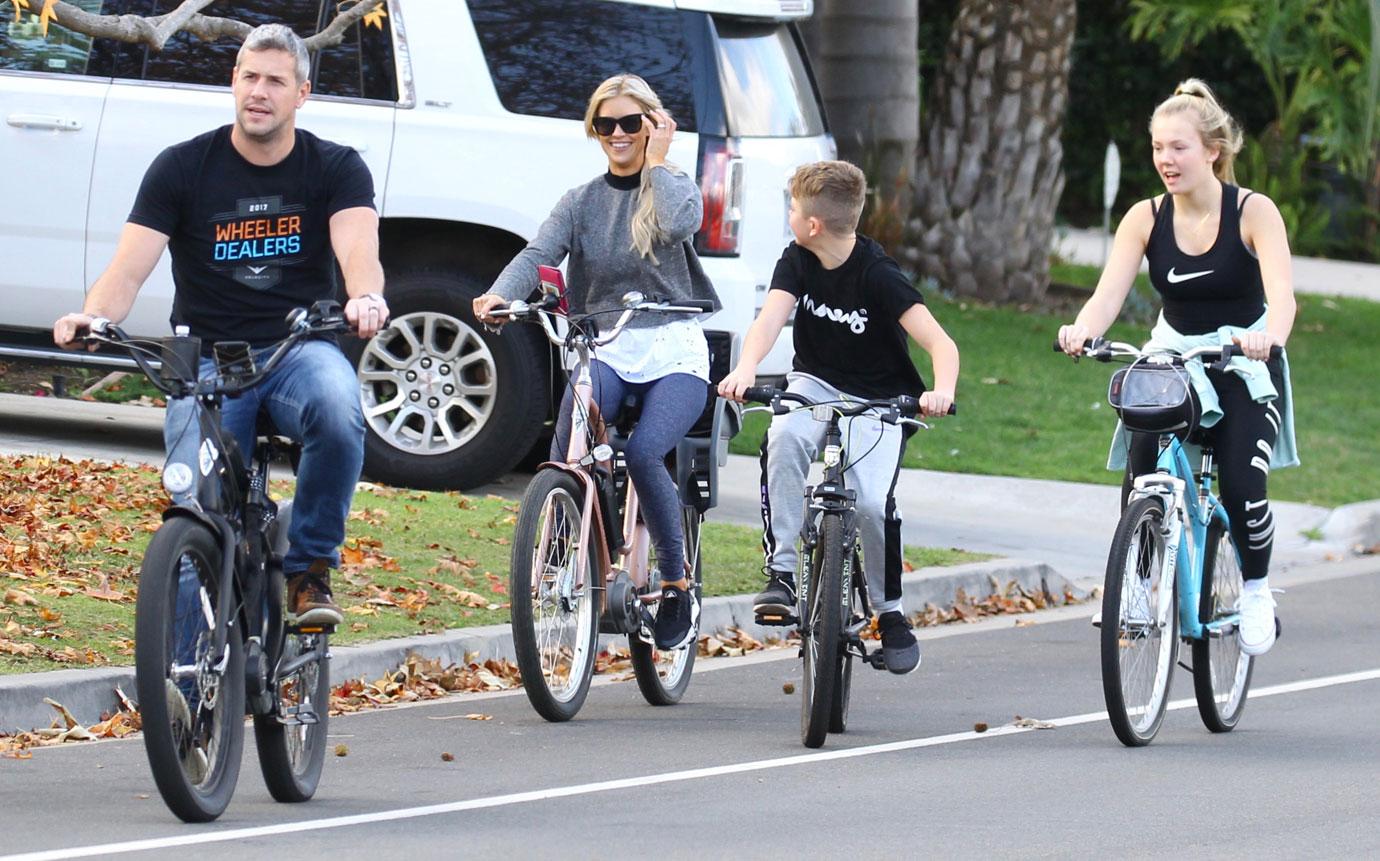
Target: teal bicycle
{"points": [[1174, 572]]}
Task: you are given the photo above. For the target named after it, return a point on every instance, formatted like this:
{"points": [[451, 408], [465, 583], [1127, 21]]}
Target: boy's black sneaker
{"points": [[779, 596], [900, 651], [676, 619]]}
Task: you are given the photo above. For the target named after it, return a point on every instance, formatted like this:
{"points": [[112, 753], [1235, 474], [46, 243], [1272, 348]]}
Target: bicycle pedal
{"points": [[874, 659], [299, 630], [776, 619]]}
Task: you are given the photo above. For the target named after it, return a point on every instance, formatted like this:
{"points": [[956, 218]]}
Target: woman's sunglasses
{"points": [[630, 124]]}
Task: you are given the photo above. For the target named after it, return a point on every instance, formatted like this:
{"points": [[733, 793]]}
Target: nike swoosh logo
{"points": [[1187, 276]]}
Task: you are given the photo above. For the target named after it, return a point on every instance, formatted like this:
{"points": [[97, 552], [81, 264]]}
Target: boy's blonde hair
{"points": [[833, 192]]}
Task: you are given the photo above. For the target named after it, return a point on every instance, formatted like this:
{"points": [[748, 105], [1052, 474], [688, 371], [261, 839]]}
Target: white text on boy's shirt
{"points": [[856, 321]]}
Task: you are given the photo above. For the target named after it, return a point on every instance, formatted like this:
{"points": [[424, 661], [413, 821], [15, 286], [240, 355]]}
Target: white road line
{"points": [[629, 782]]}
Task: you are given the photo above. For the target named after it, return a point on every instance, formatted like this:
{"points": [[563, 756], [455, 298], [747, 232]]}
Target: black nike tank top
{"points": [[1201, 292]]}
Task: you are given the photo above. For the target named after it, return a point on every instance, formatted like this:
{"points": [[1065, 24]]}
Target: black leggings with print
{"points": [[1242, 443]]}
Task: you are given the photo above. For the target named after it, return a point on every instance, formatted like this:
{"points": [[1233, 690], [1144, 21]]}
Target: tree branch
{"points": [[177, 19], [155, 31], [335, 31]]}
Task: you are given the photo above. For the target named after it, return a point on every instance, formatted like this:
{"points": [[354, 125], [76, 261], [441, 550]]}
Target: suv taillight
{"points": [[721, 183]]}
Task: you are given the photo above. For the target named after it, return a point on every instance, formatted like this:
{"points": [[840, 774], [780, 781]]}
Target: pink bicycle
{"points": [[582, 562]]}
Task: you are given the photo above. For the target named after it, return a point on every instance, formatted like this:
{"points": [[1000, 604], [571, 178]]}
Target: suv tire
{"points": [[442, 372]]}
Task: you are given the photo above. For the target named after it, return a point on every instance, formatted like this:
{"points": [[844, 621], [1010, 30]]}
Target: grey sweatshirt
{"points": [[592, 225]]}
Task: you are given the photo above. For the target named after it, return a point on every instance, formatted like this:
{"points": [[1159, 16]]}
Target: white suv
{"points": [[468, 115]]}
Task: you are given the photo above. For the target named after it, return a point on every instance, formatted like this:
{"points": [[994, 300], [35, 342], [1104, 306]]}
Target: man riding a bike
{"points": [[255, 215]]}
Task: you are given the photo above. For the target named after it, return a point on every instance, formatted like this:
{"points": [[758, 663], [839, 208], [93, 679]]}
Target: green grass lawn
{"points": [[72, 536], [1027, 411]]}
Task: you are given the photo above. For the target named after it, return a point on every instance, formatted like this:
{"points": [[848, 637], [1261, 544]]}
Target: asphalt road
{"points": [[724, 775]]}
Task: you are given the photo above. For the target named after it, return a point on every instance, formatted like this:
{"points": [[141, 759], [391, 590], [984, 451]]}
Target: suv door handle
{"points": [[39, 121]]}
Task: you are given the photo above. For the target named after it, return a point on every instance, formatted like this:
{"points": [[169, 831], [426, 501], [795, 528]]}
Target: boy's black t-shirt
{"points": [[847, 320], [249, 243]]}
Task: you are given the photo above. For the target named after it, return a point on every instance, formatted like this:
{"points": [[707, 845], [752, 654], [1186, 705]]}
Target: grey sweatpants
{"points": [[872, 453]]}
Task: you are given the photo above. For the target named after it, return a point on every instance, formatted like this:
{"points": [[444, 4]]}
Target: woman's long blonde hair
{"points": [[646, 230], [1215, 126]]}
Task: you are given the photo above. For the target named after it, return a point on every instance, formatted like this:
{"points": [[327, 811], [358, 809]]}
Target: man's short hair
{"points": [[278, 37], [833, 192]]}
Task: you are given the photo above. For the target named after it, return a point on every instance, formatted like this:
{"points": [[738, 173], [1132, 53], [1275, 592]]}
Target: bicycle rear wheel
{"points": [[663, 676], [822, 633], [192, 701], [843, 689], [1139, 637], [1221, 671], [555, 605]]}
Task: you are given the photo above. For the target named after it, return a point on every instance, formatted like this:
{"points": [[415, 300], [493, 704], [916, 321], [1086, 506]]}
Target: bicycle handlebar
{"points": [[905, 405], [543, 312], [1104, 350], [323, 318]]}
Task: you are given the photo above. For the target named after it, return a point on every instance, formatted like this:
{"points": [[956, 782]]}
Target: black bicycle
{"points": [[212, 641], [832, 601]]}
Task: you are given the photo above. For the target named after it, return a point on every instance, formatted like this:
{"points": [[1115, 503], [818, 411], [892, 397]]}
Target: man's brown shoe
{"points": [[309, 597]]}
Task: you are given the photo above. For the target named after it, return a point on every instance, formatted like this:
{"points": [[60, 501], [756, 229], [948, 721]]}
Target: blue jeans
{"points": [[313, 397], [670, 407]]}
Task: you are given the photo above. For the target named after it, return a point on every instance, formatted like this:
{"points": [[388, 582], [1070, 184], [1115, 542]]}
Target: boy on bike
{"points": [[256, 214], [854, 309]]}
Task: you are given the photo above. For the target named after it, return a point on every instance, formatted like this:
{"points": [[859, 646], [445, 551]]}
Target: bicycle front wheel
{"points": [[1221, 671], [191, 700], [1139, 624], [555, 605], [822, 632], [663, 676], [843, 688]]}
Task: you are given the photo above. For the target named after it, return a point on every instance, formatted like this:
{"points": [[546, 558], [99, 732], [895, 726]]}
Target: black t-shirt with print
{"points": [[249, 243], [847, 320]]}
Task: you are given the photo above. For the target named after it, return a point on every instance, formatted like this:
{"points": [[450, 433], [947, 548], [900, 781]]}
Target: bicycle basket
{"points": [[1153, 398]]}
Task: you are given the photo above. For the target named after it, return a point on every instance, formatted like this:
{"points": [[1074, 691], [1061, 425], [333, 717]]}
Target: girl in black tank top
{"points": [[1193, 143], [1202, 292]]}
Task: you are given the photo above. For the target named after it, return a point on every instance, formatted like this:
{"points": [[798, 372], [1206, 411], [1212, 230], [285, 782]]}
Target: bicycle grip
{"points": [[1230, 351], [759, 394], [705, 305]]}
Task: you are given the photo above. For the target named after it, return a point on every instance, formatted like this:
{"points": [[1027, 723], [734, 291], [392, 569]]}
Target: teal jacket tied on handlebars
{"points": [[1165, 338]]}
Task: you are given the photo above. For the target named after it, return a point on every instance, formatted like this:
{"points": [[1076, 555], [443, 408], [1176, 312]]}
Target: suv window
{"points": [[767, 88], [361, 66], [24, 48], [547, 56]]}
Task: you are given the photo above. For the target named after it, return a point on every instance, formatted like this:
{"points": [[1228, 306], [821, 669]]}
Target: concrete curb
{"points": [[89, 693]]}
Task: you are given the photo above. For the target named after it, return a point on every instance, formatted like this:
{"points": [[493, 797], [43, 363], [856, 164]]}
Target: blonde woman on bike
{"points": [[1219, 258], [630, 229]]}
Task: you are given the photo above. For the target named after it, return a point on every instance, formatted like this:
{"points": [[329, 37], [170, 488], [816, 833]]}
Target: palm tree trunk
{"points": [[865, 62], [989, 174]]}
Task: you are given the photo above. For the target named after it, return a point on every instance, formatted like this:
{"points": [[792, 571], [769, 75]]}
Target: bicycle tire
{"points": [[1221, 671], [663, 680], [194, 750], [1136, 691], [549, 532], [843, 689], [823, 634]]}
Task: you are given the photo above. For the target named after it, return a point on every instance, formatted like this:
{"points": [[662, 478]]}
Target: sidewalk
{"points": [[1311, 274]]}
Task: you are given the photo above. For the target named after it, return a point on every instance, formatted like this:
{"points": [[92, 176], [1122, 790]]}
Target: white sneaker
{"points": [[1256, 631]]}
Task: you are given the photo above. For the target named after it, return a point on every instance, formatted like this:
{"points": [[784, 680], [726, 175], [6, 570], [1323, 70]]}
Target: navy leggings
{"points": [[1242, 442], [670, 407]]}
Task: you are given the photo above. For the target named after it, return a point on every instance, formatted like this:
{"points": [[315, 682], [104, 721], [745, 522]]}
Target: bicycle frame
{"points": [[1188, 515]]}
